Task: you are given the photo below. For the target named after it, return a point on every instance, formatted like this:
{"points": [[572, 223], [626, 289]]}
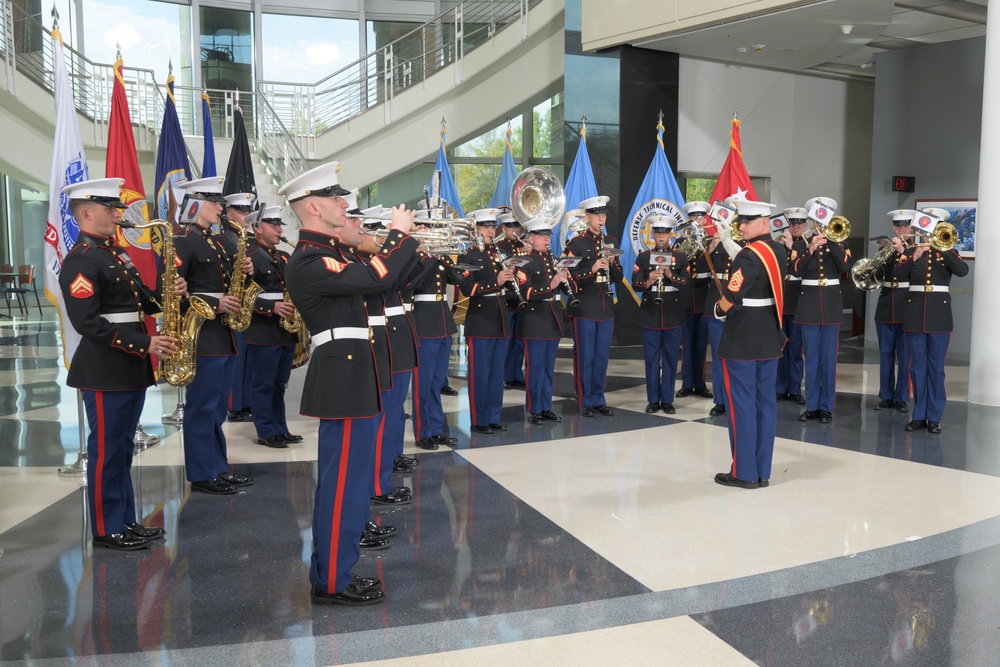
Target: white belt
{"points": [[340, 333], [428, 297], [703, 275], [720, 276], [757, 303], [395, 311], [665, 288], [122, 318], [822, 282], [272, 296], [928, 288], [376, 320], [407, 307], [214, 295], [885, 284], [791, 278]]}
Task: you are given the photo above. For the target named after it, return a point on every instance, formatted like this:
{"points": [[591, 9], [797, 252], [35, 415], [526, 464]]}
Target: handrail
{"points": [[282, 156]]}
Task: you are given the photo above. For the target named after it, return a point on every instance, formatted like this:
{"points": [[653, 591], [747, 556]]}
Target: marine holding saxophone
{"points": [[203, 261]]}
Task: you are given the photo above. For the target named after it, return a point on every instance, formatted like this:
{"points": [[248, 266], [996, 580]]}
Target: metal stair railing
{"points": [[281, 154]]}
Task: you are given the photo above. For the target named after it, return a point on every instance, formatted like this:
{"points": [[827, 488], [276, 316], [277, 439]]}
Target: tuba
{"points": [[868, 273], [537, 192], [179, 368], [238, 288]]}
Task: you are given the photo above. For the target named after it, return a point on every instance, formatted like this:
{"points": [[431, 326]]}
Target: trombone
{"points": [[942, 238]]}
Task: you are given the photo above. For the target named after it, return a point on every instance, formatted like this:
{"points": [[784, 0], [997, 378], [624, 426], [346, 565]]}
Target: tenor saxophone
{"points": [[239, 288], [177, 369], [293, 322]]}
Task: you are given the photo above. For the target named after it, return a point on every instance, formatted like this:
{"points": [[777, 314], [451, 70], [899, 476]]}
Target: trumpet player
{"points": [[111, 367], [594, 317], [820, 311], [790, 367], [486, 325], [206, 265], [510, 245], [239, 205], [927, 321], [694, 346], [540, 324], [894, 362], [660, 274], [270, 347]]}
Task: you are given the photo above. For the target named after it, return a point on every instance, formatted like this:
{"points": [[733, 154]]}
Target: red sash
{"points": [[767, 257]]}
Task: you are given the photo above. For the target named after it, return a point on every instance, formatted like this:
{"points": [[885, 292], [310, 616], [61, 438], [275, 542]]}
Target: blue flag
{"points": [[508, 172], [208, 164], [171, 157], [659, 196], [580, 185], [442, 185]]}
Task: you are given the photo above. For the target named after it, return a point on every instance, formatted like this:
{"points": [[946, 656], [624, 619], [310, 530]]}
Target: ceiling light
{"points": [[758, 47], [867, 65], [847, 28]]}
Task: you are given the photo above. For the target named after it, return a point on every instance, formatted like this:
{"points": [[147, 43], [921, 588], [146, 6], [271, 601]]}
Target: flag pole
{"points": [[80, 466]]}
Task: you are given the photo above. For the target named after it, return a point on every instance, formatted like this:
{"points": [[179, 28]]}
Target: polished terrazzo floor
{"points": [[584, 542]]}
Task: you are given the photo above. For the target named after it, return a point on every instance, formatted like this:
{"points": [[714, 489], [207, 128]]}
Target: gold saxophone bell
{"points": [[838, 229]]}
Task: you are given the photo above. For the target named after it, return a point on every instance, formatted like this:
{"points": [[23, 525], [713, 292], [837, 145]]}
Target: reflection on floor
{"points": [[583, 541]]}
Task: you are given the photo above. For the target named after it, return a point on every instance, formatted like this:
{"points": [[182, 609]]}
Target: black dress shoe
{"points": [[901, 407], [933, 427], [604, 411], [427, 443], [651, 408], [726, 479], [235, 480], [498, 427], [885, 405], [519, 384], [121, 542], [352, 596], [763, 483], [825, 417], [780, 397], [536, 418], [371, 542], [916, 425], [704, 393], [379, 531], [291, 437], [668, 408], [275, 442], [443, 439], [550, 416], [408, 460], [798, 399], [366, 584], [508, 385], [683, 391], [401, 466], [448, 391], [214, 486], [145, 532], [394, 498], [809, 415], [717, 409], [240, 416], [482, 429], [587, 412]]}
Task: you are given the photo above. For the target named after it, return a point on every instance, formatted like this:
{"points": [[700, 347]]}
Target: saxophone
{"points": [[293, 322], [239, 288], [178, 369]]}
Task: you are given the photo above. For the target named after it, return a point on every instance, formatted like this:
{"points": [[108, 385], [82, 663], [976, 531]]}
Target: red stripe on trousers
{"points": [[416, 399], [527, 374], [472, 385], [99, 470], [730, 412], [378, 455], [338, 506]]}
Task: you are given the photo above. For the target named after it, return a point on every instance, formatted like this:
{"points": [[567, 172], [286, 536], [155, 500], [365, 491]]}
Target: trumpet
{"points": [[450, 241]]}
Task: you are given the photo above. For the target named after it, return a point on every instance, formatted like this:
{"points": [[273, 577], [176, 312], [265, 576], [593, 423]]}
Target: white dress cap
{"points": [[937, 213], [757, 209], [106, 191], [693, 207], [320, 182], [352, 199], [375, 212], [822, 201], [541, 225], [595, 204], [796, 214], [507, 219], [272, 214], [660, 224], [241, 199], [485, 216], [210, 188], [902, 214]]}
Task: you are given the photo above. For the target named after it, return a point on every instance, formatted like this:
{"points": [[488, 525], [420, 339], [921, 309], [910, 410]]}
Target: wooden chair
{"points": [[26, 279]]}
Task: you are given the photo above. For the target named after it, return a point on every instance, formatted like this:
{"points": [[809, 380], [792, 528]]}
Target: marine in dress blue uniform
{"points": [[820, 311], [894, 362], [512, 245], [790, 369], [751, 345], [717, 263], [593, 318], [106, 303], [206, 265], [694, 345], [270, 347], [927, 321], [660, 274], [341, 385], [239, 205], [539, 325], [486, 324]]}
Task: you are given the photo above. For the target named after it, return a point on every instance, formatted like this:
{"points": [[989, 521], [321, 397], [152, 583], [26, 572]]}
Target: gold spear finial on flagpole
{"points": [[583, 127]]}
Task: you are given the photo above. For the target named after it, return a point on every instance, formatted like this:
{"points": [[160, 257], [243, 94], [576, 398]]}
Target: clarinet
{"points": [[510, 287], [605, 274], [658, 287], [568, 288]]}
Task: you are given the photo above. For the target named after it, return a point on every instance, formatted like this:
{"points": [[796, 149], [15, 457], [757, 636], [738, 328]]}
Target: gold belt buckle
{"points": [[928, 288], [371, 336], [438, 297], [821, 282]]}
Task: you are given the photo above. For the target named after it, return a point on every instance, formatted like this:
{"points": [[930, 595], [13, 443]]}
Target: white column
{"points": [[984, 357]]}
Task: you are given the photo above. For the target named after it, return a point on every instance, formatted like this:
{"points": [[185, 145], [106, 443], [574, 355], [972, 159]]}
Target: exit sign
{"points": [[904, 183]]}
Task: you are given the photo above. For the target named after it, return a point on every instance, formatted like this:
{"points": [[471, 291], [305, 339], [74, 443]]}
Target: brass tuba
{"points": [[177, 369], [240, 289]]}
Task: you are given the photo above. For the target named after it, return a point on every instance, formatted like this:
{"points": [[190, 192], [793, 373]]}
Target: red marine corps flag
{"points": [[733, 179]]}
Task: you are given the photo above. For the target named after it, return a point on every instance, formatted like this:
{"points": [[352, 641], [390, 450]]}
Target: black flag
{"points": [[239, 173]]}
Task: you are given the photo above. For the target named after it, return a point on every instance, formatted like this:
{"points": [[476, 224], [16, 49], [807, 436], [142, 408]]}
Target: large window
{"points": [[303, 49]]}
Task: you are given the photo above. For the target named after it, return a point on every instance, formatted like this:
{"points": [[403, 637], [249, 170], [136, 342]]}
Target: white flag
{"points": [[69, 165]]}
